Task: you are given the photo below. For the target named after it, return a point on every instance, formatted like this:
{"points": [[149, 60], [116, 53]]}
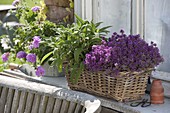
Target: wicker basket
{"points": [[127, 87]]}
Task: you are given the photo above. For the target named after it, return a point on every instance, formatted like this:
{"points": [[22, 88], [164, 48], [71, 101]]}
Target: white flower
{"points": [[17, 41], [5, 43]]}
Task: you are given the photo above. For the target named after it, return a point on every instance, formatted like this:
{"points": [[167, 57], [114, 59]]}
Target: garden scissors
{"points": [[144, 103]]}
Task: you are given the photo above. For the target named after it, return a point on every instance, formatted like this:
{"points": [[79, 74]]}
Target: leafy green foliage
{"points": [[60, 44], [34, 24], [24, 35], [26, 15], [73, 42]]}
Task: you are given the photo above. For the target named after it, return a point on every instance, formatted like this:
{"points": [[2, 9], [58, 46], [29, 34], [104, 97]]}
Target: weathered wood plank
{"points": [[72, 107], [64, 107], [27, 85], [36, 103], [0, 90], [50, 105], [22, 102], [78, 108], [9, 100], [29, 103], [22, 88], [83, 110], [15, 102], [57, 106], [43, 104], [3, 99]]}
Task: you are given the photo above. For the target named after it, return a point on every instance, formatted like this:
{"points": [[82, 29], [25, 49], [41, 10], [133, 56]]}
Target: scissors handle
{"points": [[135, 104], [144, 103]]}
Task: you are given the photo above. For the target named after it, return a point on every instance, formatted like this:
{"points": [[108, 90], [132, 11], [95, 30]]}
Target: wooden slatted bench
{"points": [[21, 96]]}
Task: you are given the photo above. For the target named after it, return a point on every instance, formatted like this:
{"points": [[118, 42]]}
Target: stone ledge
{"points": [[107, 110], [165, 76]]}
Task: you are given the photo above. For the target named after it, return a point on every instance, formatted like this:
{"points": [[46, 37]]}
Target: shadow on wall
{"points": [[165, 44]]}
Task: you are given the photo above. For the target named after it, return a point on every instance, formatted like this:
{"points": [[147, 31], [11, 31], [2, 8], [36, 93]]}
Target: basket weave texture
{"points": [[128, 86]]}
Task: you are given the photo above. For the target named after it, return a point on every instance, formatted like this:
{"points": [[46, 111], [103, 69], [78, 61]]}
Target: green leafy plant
{"points": [[31, 37], [71, 45], [24, 35], [38, 40]]}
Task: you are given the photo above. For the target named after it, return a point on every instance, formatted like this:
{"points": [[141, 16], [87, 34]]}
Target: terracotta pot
{"points": [[157, 92]]}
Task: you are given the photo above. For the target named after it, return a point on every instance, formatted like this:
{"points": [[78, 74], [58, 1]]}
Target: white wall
{"points": [[115, 13], [150, 18], [157, 28]]}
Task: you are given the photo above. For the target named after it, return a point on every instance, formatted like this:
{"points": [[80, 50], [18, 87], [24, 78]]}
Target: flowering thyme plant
{"points": [[123, 53], [30, 40]]}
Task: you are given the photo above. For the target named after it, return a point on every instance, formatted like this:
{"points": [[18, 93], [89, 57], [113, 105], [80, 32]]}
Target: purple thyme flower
{"points": [[5, 57], [123, 52], [31, 58], [36, 41], [40, 71], [21, 54], [122, 31], [15, 2], [35, 8], [98, 58]]}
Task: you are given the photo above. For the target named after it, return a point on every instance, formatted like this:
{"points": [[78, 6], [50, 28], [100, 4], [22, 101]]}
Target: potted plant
{"points": [[30, 42], [40, 42], [118, 68], [72, 43]]}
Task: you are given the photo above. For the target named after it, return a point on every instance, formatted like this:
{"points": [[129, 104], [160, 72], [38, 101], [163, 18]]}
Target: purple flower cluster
{"points": [[128, 53], [99, 57], [40, 71], [15, 2], [21, 54], [36, 41], [31, 58], [35, 8], [5, 57]]}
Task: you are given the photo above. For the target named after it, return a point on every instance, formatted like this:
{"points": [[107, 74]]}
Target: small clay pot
{"points": [[157, 92]]}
